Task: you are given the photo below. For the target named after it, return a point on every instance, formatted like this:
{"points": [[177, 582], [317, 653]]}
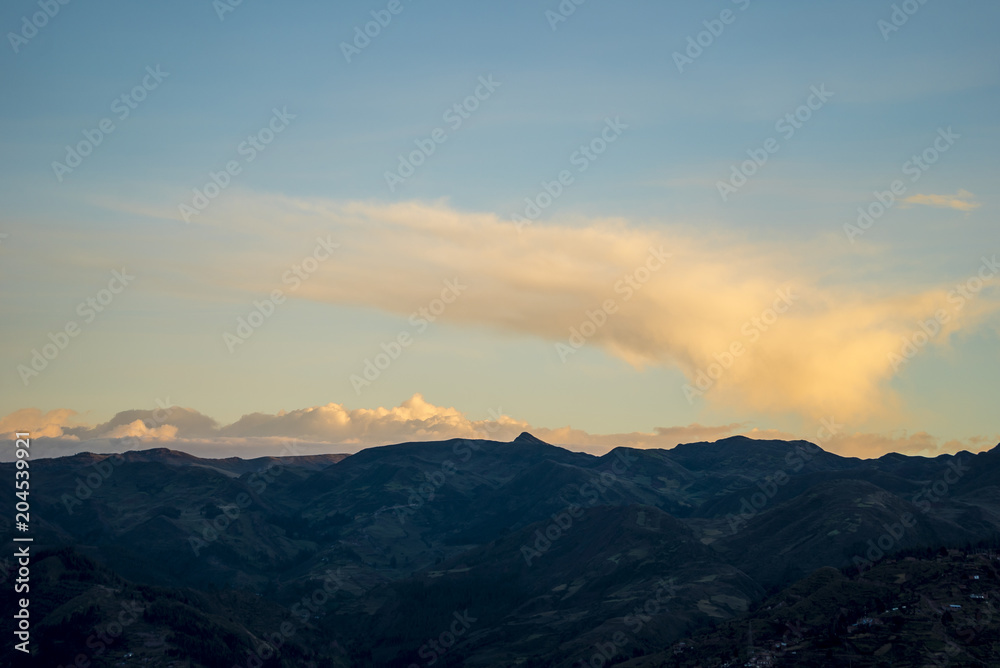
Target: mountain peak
{"points": [[525, 437]]}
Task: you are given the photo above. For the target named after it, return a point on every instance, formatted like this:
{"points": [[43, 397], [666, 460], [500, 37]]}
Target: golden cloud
{"points": [[334, 428], [774, 328], [37, 423], [963, 200]]}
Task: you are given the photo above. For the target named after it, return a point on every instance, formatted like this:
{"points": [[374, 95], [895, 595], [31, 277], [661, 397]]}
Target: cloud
{"points": [[332, 428], [413, 420], [329, 428], [827, 354], [38, 424], [963, 200], [919, 444], [184, 422], [662, 437], [417, 420], [139, 430]]}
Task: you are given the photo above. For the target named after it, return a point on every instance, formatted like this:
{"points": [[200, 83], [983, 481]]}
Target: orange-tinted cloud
{"points": [[963, 200], [918, 444], [38, 424], [334, 428], [826, 353]]}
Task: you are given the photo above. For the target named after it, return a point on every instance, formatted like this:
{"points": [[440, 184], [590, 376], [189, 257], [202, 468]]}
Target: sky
{"points": [[638, 223]]}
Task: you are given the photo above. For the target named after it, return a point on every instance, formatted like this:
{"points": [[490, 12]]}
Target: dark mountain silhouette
{"points": [[483, 553]]}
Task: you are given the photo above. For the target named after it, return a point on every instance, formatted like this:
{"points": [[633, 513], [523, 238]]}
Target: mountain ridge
{"points": [[549, 550]]}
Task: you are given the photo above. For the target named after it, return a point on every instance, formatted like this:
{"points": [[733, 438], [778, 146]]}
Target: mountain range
{"points": [[484, 553]]}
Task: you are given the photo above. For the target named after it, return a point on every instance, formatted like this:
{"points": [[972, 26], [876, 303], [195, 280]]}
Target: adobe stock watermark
{"points": [[454, 116], [419, 321], [787, 125], [381, 19], [892, 537], [263, 309], [915, 167], [795, 461], [37, 21], [640, 616], [212, 530], [88, 309], [928, 330], [714, 28], [706, 378], [122, 106], [582, 158], [223, 7], [562, 12], [562, 521], [107, 634], [627, 286], [969, 630], [248, 149], [309, 605], [87, 485], [435, 480], [436, 648], [900, 15]]}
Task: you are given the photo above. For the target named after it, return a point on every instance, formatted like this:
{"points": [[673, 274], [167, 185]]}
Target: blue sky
{"points": [[325, 174]]}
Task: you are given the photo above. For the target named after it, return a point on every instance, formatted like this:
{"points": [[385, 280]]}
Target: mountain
{"points": [[485, 553]]}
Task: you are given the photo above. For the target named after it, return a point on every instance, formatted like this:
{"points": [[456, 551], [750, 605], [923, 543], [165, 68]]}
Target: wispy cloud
{"points": [[963, 200], [827, 355]]}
